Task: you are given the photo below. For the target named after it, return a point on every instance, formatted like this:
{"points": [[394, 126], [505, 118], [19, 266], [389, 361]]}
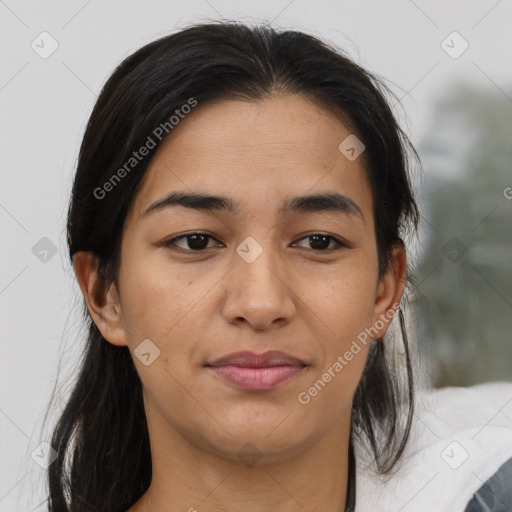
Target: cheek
{"points": [[348, 300], [154, 298], [347, 312], [346, 308], [172, 312], [347, 345]]}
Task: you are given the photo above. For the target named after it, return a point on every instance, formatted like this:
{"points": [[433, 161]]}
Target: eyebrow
{"points": [[312, 203]]}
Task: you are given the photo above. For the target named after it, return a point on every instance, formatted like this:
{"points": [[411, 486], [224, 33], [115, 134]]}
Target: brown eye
{"points": [[321, 243], [193, 241]]}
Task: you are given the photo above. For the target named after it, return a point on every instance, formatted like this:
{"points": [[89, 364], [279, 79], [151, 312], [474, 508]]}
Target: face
{"points": [[302, 280]]}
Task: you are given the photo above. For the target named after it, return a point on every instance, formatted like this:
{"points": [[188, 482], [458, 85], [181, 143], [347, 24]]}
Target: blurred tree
{"points": [[464, 274]]}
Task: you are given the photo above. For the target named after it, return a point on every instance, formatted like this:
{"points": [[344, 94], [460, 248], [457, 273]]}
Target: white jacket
{"points": [[459, 439]]}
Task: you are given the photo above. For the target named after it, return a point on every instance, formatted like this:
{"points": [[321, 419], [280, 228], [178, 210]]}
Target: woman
{"points": [[237, 229]]}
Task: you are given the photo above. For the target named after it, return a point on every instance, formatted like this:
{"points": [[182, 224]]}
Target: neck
{"points": [[192, 478]]}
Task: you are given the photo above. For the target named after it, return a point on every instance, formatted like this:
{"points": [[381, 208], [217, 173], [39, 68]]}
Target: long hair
{"points": [[101, 438]]}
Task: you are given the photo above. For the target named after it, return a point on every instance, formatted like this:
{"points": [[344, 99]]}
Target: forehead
{"points": [[280, 145], [267, 125]]}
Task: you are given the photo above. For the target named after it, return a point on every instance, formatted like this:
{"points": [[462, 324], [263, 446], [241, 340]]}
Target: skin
{"points": [[294, 297]]}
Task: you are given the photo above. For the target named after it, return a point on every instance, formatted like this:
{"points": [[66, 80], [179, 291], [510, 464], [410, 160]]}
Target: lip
{"points": [[250, 359], [257, 372]]}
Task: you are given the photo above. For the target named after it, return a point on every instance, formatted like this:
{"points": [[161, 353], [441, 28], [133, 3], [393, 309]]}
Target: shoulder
{"points": [[495, 495], [460, 438]]}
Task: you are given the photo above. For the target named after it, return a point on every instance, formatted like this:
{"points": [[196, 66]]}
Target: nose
{"points": [[259, 293]]}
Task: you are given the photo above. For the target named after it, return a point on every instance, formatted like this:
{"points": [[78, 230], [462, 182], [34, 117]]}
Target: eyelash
{"points": [[340, 244]]}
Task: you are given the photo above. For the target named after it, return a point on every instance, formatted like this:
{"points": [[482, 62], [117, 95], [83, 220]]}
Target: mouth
{"points": [[256, 372]]}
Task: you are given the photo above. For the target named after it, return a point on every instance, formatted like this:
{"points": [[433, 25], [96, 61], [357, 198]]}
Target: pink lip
{"points": [[256, 372], [256, 379], [252, 360]]}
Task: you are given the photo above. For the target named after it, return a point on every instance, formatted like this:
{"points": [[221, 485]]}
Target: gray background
{"points": [[45, 103]]}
